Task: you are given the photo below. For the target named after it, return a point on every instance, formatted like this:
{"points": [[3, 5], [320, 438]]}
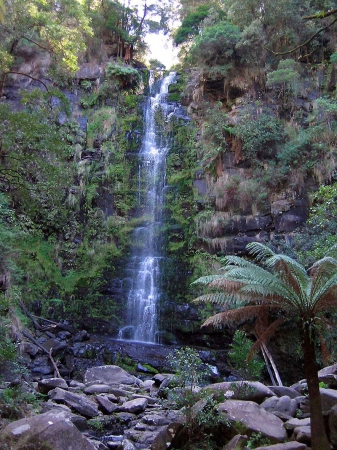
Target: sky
{"points": [[161, 47]]}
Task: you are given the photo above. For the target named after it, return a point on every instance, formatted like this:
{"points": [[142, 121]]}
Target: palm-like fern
{"points": [[278, 281]]}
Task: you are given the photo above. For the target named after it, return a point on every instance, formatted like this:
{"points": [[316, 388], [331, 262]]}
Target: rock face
{"points": [[53, 429], [254, 418]]}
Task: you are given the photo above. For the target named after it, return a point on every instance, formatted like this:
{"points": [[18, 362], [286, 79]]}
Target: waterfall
{"points": [[144, 267]]}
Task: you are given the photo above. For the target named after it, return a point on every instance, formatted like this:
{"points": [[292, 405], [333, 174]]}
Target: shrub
{"points": [[238, 355]]}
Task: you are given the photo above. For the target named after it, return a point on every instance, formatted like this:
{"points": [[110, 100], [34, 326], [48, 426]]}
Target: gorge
{"points": [[118, 191]]}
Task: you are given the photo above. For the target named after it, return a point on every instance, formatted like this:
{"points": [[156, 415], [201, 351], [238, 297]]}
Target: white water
{"points": [[144, 271]]}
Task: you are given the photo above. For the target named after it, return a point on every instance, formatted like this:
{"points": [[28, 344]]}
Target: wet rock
{"points": [[78, 402], [110, 375], [53, 429], [254, 418]]}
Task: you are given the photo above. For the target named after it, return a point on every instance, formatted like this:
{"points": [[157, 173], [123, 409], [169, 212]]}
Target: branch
{"points": [[320, 15], [303, 43], [30, 337], [29, 76]]}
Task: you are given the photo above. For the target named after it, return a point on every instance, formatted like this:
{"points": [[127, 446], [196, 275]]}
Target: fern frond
{"points": [[264, 337], [206, 279], [233, 316], [218, 298], [260, 251]]}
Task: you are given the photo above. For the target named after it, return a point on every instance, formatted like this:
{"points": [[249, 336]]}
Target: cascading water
{"points": [[144, 267]]}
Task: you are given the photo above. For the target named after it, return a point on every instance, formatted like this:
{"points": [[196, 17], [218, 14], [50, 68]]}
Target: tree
{"points": [[55, 27], [281, 283]]}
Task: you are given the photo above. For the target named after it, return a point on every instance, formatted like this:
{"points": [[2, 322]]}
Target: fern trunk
{"points": [[319, 440]]}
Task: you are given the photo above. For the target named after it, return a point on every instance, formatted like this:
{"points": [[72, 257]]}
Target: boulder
{"points": [[109, 375], [97, 389], [46, 385], [303, 434], [135, 406], [280, 391], [284, 405], [105, 405], [255, 418], [329, 398], [242, 390], [52, 429], [54, 345], [333, 426], [237, 443], [294, 423], [286, 446], [79, 403], [164, 438], [328, 375]]}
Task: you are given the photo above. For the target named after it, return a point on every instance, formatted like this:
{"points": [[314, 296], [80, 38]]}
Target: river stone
{"points": [[285, 446], [242, 390], [78, 402], [255, 418], [135, 406], [53, 429], [109, 375], [46, 385], [97, 389]]}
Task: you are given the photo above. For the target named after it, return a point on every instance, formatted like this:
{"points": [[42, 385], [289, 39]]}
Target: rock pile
{"points": [[112, 409]]}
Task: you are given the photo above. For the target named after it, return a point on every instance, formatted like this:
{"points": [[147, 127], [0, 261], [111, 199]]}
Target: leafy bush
{"points": [[215, 46], [238, 355], [260, 135], [126, 75]]}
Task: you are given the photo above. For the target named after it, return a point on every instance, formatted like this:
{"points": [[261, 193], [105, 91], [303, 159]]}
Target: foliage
{"points": [[319, 234], [285, 77], [190, 24], [238, 355], [126, 75], [58, 29], [215, 47], [258, 440], [155, 64], [284, 285], [260, 135], [187, 366]]}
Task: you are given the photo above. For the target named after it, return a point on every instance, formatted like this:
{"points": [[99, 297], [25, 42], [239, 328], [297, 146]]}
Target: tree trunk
{"points": [[319, 440]]}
